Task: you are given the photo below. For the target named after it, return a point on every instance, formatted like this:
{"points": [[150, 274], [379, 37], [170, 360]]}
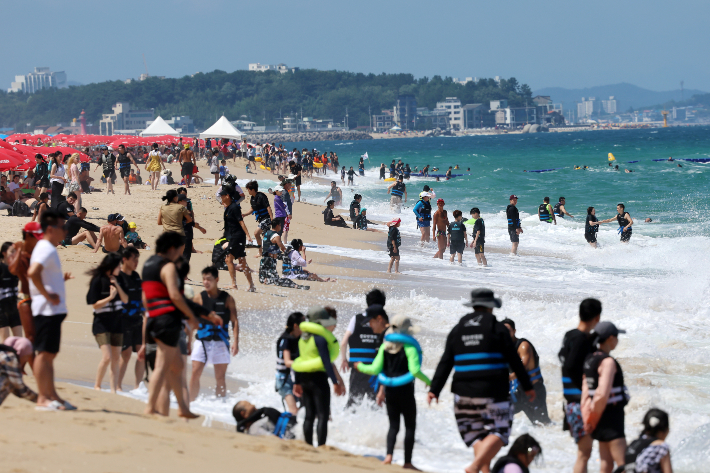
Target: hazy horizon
{"points": [[556, 44]]}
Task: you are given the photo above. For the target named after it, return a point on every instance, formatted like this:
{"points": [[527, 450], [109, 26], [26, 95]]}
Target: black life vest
{"points": [[425, 210], [502, 462], [285, 341], [544, 213], [123, 161], [556, 210], [270, 247], [623, 221], [156, 294], [634, 450], [363, 342], [398, 189], [477, 352], [619, 393], [211, 332], [535, 373]]}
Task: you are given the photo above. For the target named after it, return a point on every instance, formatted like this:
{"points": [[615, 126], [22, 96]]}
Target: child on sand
{"points": [[263, 421]]}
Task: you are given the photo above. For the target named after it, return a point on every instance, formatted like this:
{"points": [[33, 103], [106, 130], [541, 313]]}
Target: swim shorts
{"points": [[132, 333], [424, 224], [166, 328], [611, 424], [125, 172], [514, 237], [212, 352], [284, 384], [265, 224], [591, 237], [186, 169], [457, 247], [626, 236], [237, 246], [392, 253], [478, 249], [9, 314], [478, 418], [573, 421], [48, 332]]}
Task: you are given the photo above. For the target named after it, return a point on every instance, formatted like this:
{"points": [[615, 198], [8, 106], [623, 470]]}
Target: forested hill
{"points": [[206, 96]]}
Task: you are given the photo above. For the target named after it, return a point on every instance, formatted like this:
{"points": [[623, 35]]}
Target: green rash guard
{"points": [[377, 364]]}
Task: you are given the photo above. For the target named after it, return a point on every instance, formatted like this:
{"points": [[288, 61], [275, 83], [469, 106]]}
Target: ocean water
{"points": [[657, 287]]}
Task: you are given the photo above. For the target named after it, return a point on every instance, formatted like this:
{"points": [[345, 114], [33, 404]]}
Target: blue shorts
{"points": [[574, 421], [284, 384], [424, 224]]}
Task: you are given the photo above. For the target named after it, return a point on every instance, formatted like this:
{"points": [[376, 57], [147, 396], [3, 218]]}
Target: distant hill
{"points": [[626, 95]]}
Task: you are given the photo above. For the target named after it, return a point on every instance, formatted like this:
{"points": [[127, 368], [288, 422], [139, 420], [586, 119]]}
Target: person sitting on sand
{"points": [[112, 236], [133, 238], [15, 352], [293, 263], [272, 245], [361, 222], [332, 220], [263, 421]]}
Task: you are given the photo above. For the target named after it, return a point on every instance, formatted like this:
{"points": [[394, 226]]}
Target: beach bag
{"points": [[21, 209], [66, 191]]}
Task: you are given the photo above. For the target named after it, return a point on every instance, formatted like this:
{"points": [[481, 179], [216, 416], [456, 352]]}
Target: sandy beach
{"points": [[39, 439]]}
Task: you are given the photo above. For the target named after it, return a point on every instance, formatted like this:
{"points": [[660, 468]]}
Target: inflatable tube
{"points": [[470, 221], [391, 179], [257, 159], [314, 363], [631, 162], [405, 378], [317, 165], [657, 160], [547, 170], [440, 175]]}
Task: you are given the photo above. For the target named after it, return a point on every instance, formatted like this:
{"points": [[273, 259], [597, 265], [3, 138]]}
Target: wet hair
{"points": [[457, 213], [211, 270], [427, 188], [589, 210], [72, 195], [508, 321], [275, 223], [330, 202], [165, 241], [170, 196], [331, 312], [43, 196], [4, 248], [155, 145], [293, 319], [561, 199], [546, 200], [357, 196], [129, 252], [622, 206], [296, 244], [376, 296], [655, 421], [110, 262], [50, 218], [252, 185], [475, 211], [39, 156], [523, 445], [238, 411], [589, 309]]}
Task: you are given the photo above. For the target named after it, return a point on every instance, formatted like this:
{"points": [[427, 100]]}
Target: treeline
{"points": [[698, 100], [261, 97]]}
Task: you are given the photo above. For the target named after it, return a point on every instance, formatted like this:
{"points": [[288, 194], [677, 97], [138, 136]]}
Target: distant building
{"points": [[405, 112], [609, 106], [679, 113], [498, 104], [125, 120], [545, 108], [244, 125], [182, 124], [143, 77], [41, 78], [477, 115], [466, 80], [431, 119], [518, 117], [453, 106], [382, 122], [282, 68], [290, 124], [588, 108]]}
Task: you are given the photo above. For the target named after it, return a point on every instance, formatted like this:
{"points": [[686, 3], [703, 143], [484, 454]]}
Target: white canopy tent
{"points": [[222, 129], [159, 127]]}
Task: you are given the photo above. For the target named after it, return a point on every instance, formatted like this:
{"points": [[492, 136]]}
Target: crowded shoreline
{"points": [[148, 231]]}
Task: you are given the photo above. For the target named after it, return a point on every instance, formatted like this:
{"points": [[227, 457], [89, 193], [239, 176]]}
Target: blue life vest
{"points": [[287, 268], [544, 213], [405, 378], [211, 332], [282, 424], [398, 189]]}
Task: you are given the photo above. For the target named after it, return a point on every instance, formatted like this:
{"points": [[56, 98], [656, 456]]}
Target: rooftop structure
{"points": [[125, 119], [282, 68]]}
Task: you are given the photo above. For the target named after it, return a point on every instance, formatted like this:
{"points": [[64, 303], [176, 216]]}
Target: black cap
{"points": [[604, 330], [484, 298], [373, 311], [225, 191], [181, 197]]}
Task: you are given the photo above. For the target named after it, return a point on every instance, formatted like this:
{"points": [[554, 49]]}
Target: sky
{"points": [[573, 44]]}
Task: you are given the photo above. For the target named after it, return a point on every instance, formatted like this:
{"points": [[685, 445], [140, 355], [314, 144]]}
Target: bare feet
{"points": [[251, 289], [188, 415], [97, 388], [233, 286], [387, 460], [409, 466]]}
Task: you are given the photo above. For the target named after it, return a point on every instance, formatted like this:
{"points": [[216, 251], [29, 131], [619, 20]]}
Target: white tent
{"points": [[222, 129], [159, 127]]}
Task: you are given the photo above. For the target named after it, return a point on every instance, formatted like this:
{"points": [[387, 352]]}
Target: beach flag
{"points": [[364, 156]]}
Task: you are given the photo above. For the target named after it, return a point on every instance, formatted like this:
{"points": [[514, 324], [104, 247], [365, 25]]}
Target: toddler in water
{"points": [[263, 421]]}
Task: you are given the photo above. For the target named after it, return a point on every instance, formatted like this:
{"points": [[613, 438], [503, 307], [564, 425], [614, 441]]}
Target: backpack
{"points": [[21, 209]]}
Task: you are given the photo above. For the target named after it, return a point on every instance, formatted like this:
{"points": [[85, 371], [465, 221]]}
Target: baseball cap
{"points": [[119, 217], [363, 210], [181, 197], [131, 224], [440, 201], [425, 194], [604, 330], [278, 189], [373, 311], [34, 228], [513, 196], [112, 217]]}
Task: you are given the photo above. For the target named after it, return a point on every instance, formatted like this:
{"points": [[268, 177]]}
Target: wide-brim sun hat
{"points": [[484, 298]]}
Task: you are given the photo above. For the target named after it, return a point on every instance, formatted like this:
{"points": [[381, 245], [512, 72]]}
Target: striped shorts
{"points": [[479, 417]]}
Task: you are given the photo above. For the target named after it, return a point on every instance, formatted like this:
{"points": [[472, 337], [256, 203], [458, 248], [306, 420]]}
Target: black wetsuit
{"points": [[400, 403], [590, 231], [623, 221], [316, 395], [576, 345], [354, 205]]}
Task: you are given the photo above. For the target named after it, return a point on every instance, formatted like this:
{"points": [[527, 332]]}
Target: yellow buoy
{"points": [[611, 157], [317, 165], [257, 159]]}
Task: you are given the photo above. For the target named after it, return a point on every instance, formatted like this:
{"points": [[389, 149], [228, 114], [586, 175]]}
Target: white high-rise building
{"points": [[452, 106], [41, 78]]}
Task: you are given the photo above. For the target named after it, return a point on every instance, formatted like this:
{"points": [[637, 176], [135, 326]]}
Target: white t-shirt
{"points": [[52, 278], [12, 186], [351, 325]]}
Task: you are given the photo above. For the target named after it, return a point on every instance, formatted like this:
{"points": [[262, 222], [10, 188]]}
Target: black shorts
{"points": [[590, 237], [48, 332], [479, 248], [514, 237], [392, 253], [43, 183], [166, 328], [457, 247], [9, 315], [626, 236], [110, 174], [107, 323], [186, 169], [125, 171], [237, 246], [611, 424], [132, 333], [298, 181]]}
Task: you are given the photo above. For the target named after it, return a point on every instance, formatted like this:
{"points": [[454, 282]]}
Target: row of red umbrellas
{"points": [[21, 157], [93, 140]]}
